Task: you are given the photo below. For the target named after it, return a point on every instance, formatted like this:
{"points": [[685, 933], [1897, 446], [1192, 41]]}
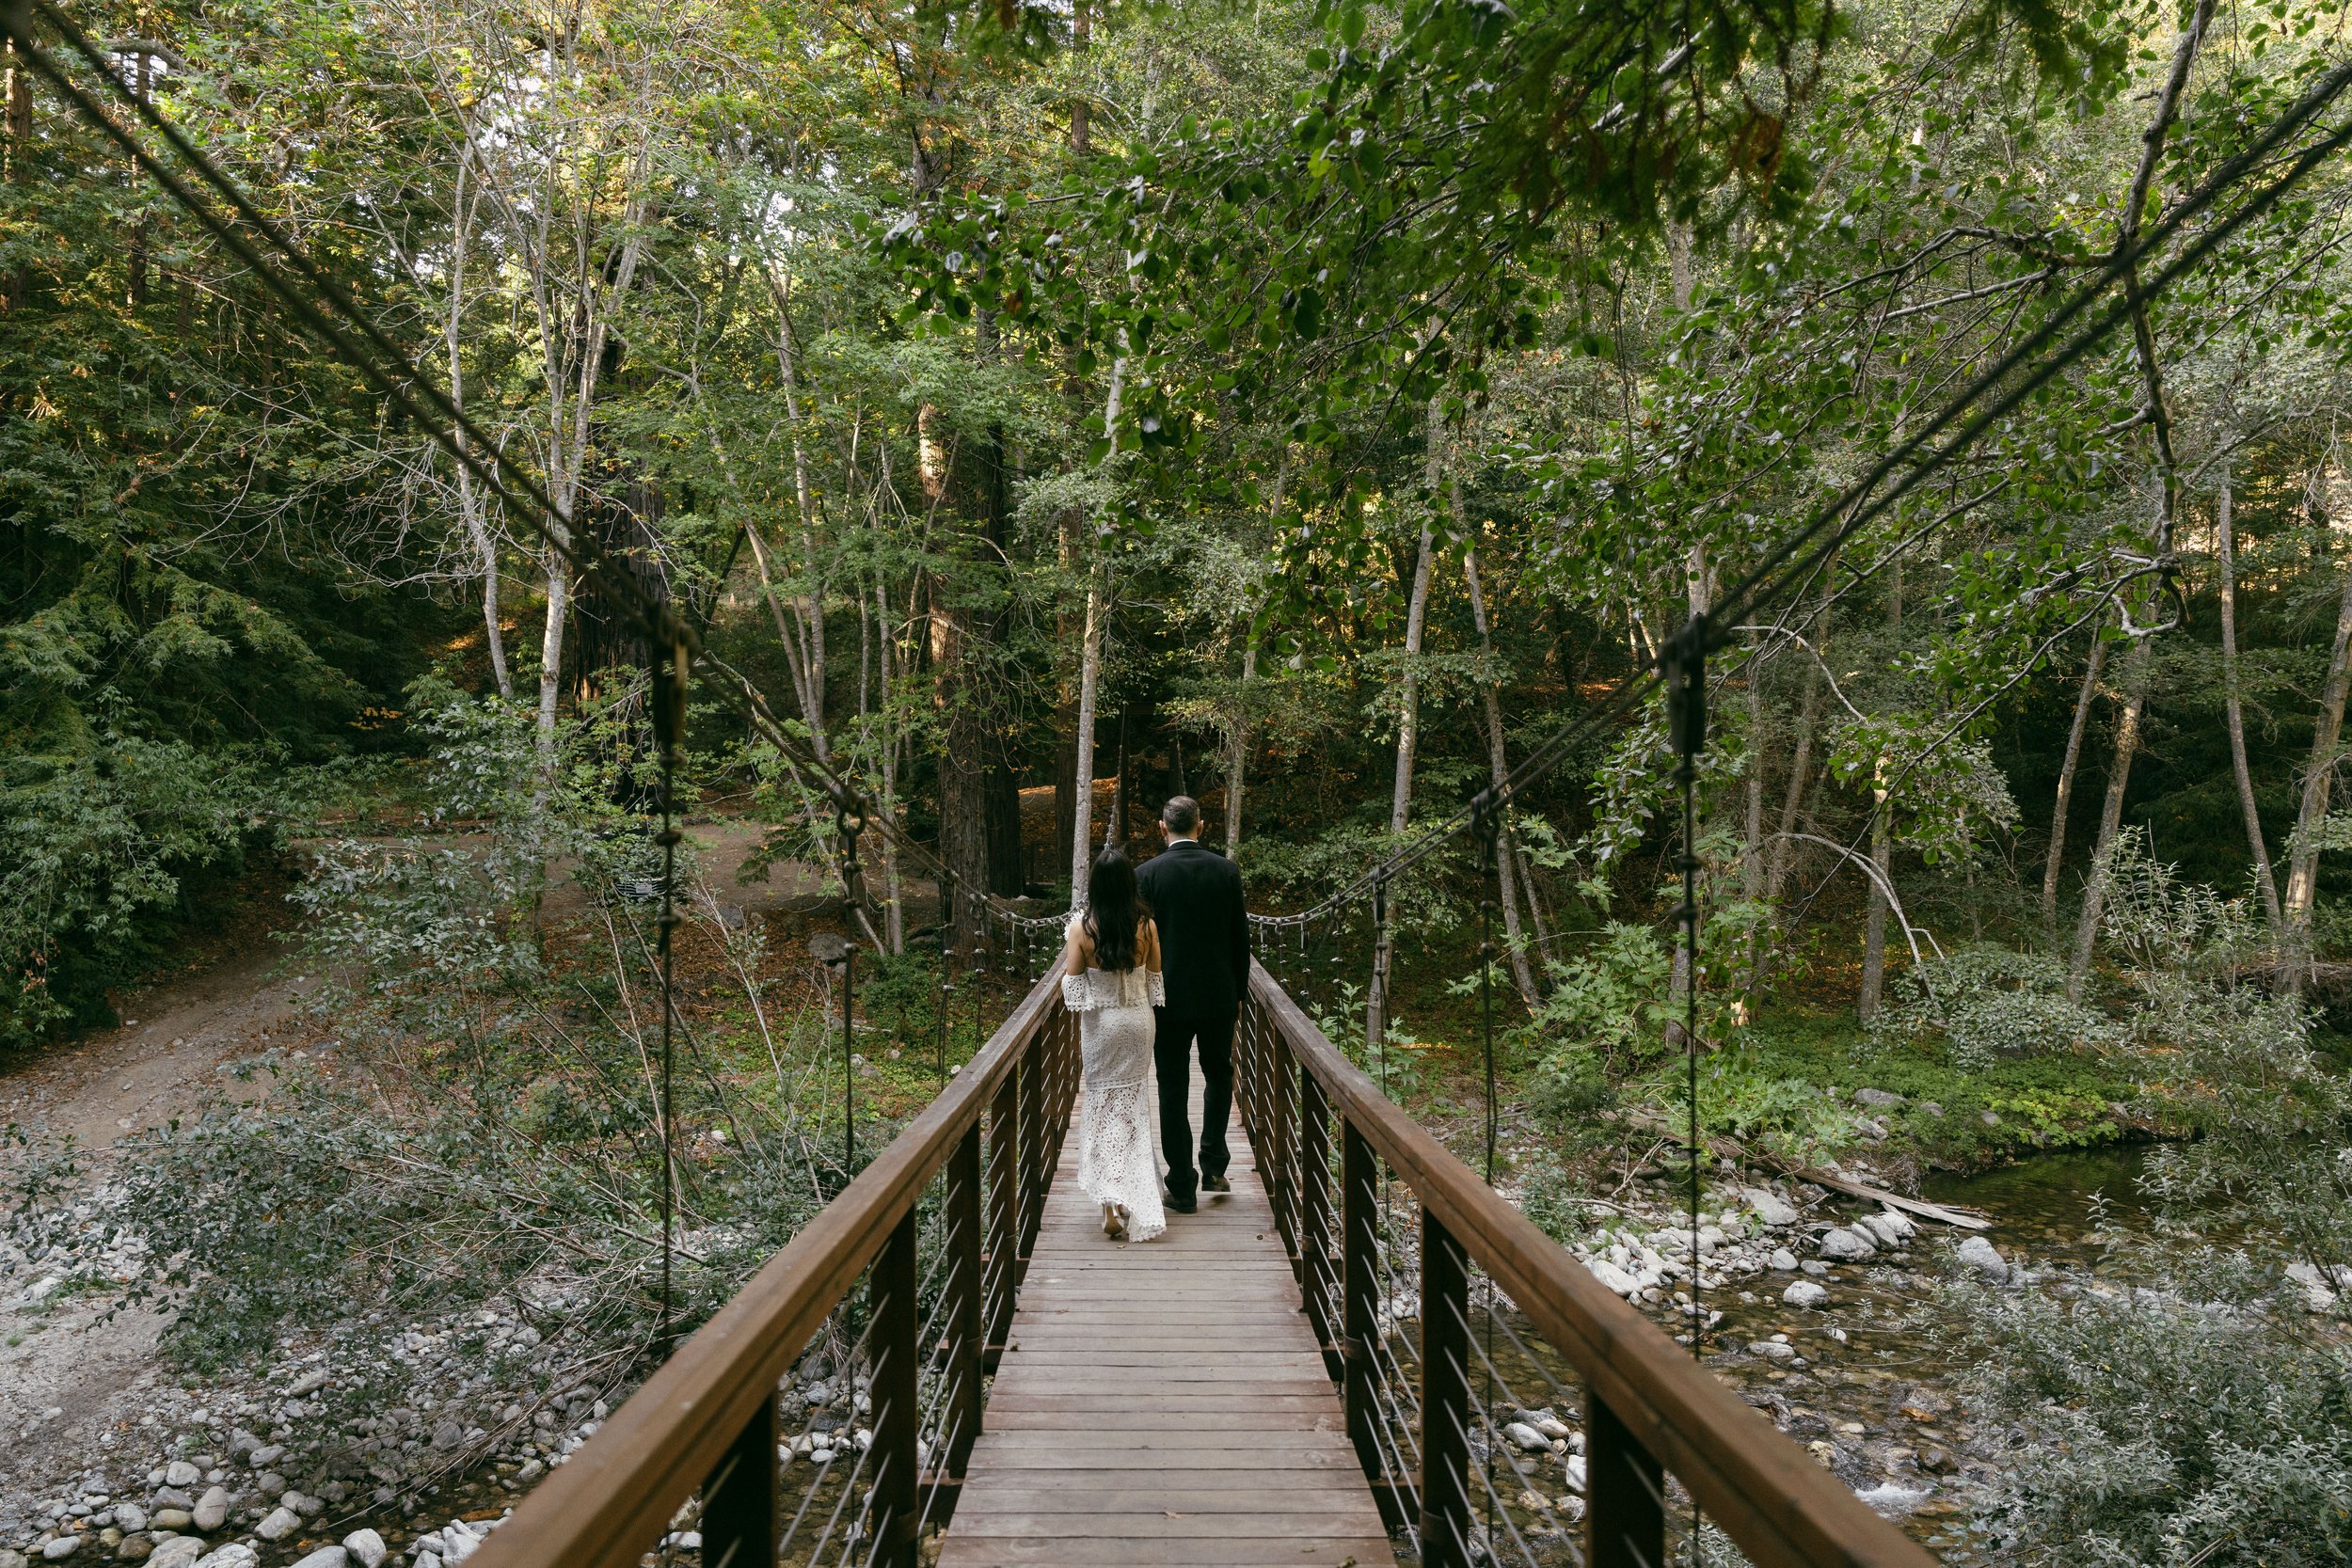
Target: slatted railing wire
{"points": [[1522, 1431]]}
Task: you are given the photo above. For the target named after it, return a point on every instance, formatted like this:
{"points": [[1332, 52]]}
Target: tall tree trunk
{"points": [[16, 284], [1090, 671], [809, 607], [894, 904], [2233, 710], [2302, 890], [1081, 38], [2135, 679], [2056, 860], [1117, 825], [1498, 770], [1407, 734], [1237, 755], [471, 504], [1752, 831], [962, 757], [1237, 758], [2167, 483], [1792, 800], [142, 79], [1874, 924], [1881, 844], [1408, 696]]}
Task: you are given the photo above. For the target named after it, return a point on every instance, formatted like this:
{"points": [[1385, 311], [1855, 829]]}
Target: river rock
{"points": [[1847, 1246], [131, 1516], [365, 1546], [1614, 1277], [134, 1548], [182, 1474], [281, 1523], [1887, 1230], [173, 1519], [235, 1555], [1549, 1424], [2317, 1297], [1527, 1438], [428, 1560], [171, 1496], [12, 1559], [1784, 1259], [1774, 1350], [180, 1551], [212, 1510], [62, 1547], [325, 1557], [1805, 1293], [1769, 1207], [1879, 1099], [1982, 1256]]}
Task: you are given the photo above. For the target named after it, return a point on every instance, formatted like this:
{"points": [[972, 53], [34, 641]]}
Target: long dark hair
{"points": [[1115, 912]]}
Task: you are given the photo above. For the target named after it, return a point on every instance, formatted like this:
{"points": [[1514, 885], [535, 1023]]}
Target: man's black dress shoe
{"points": [[1215, 1184], [1180, 1205]]}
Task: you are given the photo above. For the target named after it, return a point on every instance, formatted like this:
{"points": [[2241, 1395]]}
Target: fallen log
{"points": [[1731, 1149]]}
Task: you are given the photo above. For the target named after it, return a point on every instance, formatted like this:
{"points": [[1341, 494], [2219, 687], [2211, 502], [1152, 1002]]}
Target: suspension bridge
{"points": [[1364, 1355]]}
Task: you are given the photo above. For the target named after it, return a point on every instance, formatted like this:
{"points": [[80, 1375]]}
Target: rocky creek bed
{"points": [[1815, 1317]]}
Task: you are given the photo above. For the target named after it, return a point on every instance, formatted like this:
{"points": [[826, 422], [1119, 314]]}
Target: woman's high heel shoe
{"points": [[1115, 1222]]}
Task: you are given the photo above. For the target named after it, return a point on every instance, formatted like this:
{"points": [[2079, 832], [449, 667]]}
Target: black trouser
{"points": [[1171, 1049]]}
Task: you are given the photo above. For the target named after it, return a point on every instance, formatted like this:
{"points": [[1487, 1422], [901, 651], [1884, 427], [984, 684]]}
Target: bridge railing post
{"points": [[898, 1411], [742, 1502], [965, 1317], [1282, 1080], [1314, 1206], [1445, 1413], [1001, 1264], [1625, 1493], [1030, 1073], [1359, 1314]]}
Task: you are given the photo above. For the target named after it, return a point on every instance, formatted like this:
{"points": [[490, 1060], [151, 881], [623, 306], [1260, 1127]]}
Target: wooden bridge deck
{"points": [[1164, 1404]]}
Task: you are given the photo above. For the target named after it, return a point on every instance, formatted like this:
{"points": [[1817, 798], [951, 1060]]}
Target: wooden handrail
{"points": [[1768, 1493], [608, 1504]]}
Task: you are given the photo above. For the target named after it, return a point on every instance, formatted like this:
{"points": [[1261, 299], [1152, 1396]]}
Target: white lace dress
{"points": [[1117, 1162]]}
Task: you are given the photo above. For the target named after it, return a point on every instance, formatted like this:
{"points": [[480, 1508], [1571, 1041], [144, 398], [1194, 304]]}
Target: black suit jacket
{"points": [[1195, 894]]}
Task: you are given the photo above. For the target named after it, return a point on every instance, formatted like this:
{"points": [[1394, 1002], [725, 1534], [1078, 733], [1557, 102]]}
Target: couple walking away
{"points": [[1157, 961]]}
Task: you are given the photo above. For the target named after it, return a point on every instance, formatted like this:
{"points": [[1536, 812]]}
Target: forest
{"points": [[1354, 415]]}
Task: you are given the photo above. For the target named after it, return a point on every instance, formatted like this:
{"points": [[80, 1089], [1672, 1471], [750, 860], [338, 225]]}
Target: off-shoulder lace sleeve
{"points": [[1077, 992], [1159, 989]]}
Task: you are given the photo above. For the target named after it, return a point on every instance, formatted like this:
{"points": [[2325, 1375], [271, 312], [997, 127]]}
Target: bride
{"points": [[1111, 979]]}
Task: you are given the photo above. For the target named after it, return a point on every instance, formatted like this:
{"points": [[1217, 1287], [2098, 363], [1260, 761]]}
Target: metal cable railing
{"points": [[1506, 1408], [896, 1299]]}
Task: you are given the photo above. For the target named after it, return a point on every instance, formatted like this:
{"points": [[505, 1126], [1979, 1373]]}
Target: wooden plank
{"points": [[1166, 1404], [960, 1551], [1109, 1493], [1224, 1420], [1172, 1525], [1045, 1451]]}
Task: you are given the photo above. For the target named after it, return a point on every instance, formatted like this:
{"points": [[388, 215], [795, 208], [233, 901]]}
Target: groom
{"points": [[1195, 895]]}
